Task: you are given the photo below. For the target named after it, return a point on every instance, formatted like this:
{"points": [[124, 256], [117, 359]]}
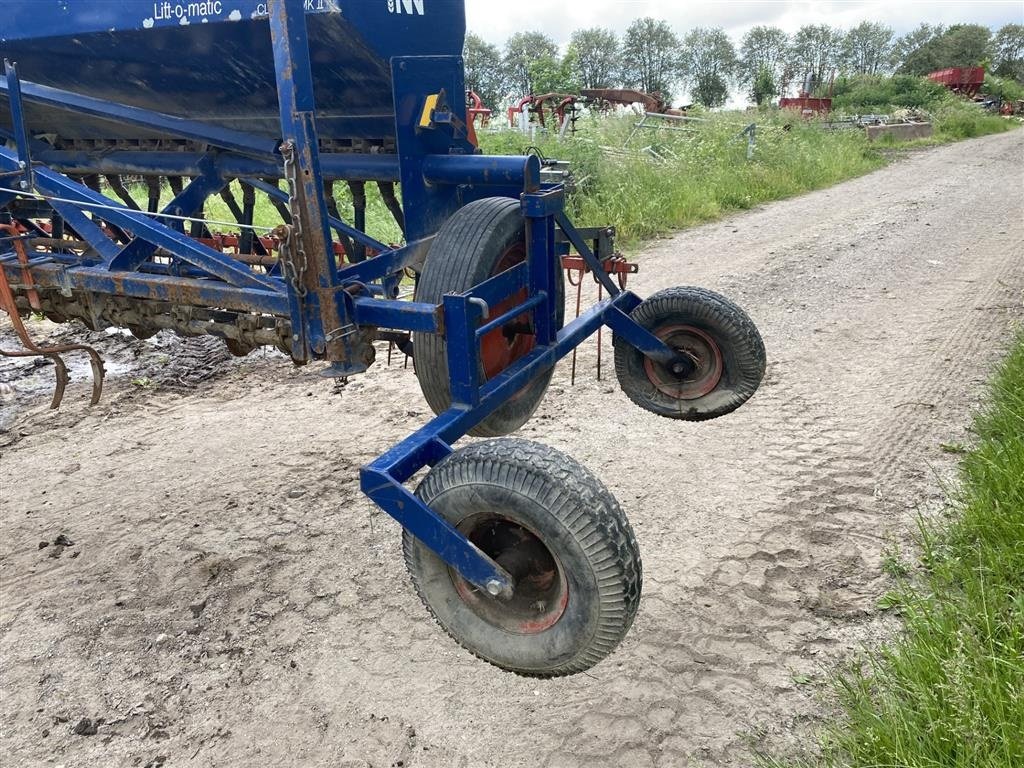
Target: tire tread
{"points": [[583, 506]]}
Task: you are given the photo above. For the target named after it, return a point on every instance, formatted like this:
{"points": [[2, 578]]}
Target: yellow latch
{"points": [[428, 110]]}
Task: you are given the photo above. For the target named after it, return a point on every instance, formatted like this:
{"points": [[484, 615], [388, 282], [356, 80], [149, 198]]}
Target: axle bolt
{"points": [[494, 587]]}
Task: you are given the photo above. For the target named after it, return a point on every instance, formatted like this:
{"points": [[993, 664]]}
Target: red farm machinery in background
{"points": [[806, 104], [963, 80]]}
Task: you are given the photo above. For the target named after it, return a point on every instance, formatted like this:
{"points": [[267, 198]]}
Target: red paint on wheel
{"points": [[499, 348], [702, 349]]}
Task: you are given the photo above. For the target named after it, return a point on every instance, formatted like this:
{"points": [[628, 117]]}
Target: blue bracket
{"points": [[415, 78], [382, 482], [383, 479], [21, 139]]}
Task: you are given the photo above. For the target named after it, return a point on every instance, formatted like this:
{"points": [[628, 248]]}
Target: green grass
{"points": [[379, 221], [703, 174], [958, 120], [949, 691], [866, 94]]}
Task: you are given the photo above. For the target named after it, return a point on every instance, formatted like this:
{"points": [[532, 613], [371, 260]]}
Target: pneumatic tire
{"points": [[560, 534], [482, 239], [721, 340]]}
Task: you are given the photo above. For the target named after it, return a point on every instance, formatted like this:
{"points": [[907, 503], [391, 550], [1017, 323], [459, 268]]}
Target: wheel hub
{"points": [[541, 592], [701, 349]]}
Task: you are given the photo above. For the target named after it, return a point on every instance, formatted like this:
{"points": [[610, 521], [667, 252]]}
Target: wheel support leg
{"points": [[383, 479]]}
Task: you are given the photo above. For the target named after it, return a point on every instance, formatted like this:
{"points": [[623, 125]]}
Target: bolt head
{"points": [[494, 587]]}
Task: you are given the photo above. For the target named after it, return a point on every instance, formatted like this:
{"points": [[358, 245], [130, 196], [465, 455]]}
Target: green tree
{"points": [[709, 65], [762, 48], [815, 51], [962, 45], [908, 44], [867, 49], [549, 74], [521, 51], [764, 87], [483, 70], [967, 45], [1008, 52], [651, 57], [595, 55]]}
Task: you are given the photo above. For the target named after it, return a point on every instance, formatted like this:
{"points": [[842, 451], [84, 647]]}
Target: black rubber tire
{"points": [[737, 338], [576, 519], [464, 253]]}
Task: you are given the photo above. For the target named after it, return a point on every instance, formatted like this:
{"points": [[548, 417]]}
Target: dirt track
{"points": [[213, 616]]}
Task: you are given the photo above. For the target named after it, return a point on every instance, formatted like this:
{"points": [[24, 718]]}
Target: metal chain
{"points": [[299, 263], [286, 248]]}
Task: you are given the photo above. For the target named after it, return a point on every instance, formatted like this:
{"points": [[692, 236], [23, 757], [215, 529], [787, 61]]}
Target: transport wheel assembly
{"points": [[718, 337], [560, 534], [483, 239]]}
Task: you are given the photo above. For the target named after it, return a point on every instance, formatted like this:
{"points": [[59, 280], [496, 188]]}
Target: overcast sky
{"points": [[495, 20]]}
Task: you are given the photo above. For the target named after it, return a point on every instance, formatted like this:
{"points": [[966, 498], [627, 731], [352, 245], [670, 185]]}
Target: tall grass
{"points": [[950, 690], [957, 120], [667, 179]]}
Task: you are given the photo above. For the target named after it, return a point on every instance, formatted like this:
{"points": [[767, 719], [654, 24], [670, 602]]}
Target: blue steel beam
{"points": [[192, 199], [215, 264], [338, 166], [522, 172], [398, 315], [226, 138], [322, 308], [18, 119], [87, 229]]}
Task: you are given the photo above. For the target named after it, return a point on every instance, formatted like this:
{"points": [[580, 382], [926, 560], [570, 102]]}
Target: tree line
{"points": [[707, 64]]}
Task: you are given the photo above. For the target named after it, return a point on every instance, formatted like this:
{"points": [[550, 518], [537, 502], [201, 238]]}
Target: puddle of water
{"points": [[28, 377]]}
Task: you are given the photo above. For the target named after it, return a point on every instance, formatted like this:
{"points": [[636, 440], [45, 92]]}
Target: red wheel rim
{"points": [[541, 590], [701, 349], [503, 346]]}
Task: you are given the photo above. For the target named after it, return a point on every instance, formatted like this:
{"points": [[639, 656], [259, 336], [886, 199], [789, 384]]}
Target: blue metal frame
{"points": [[327, 303]]}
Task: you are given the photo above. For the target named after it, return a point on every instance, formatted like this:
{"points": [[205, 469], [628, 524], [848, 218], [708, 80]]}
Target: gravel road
{"points": [[230, 599]]}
